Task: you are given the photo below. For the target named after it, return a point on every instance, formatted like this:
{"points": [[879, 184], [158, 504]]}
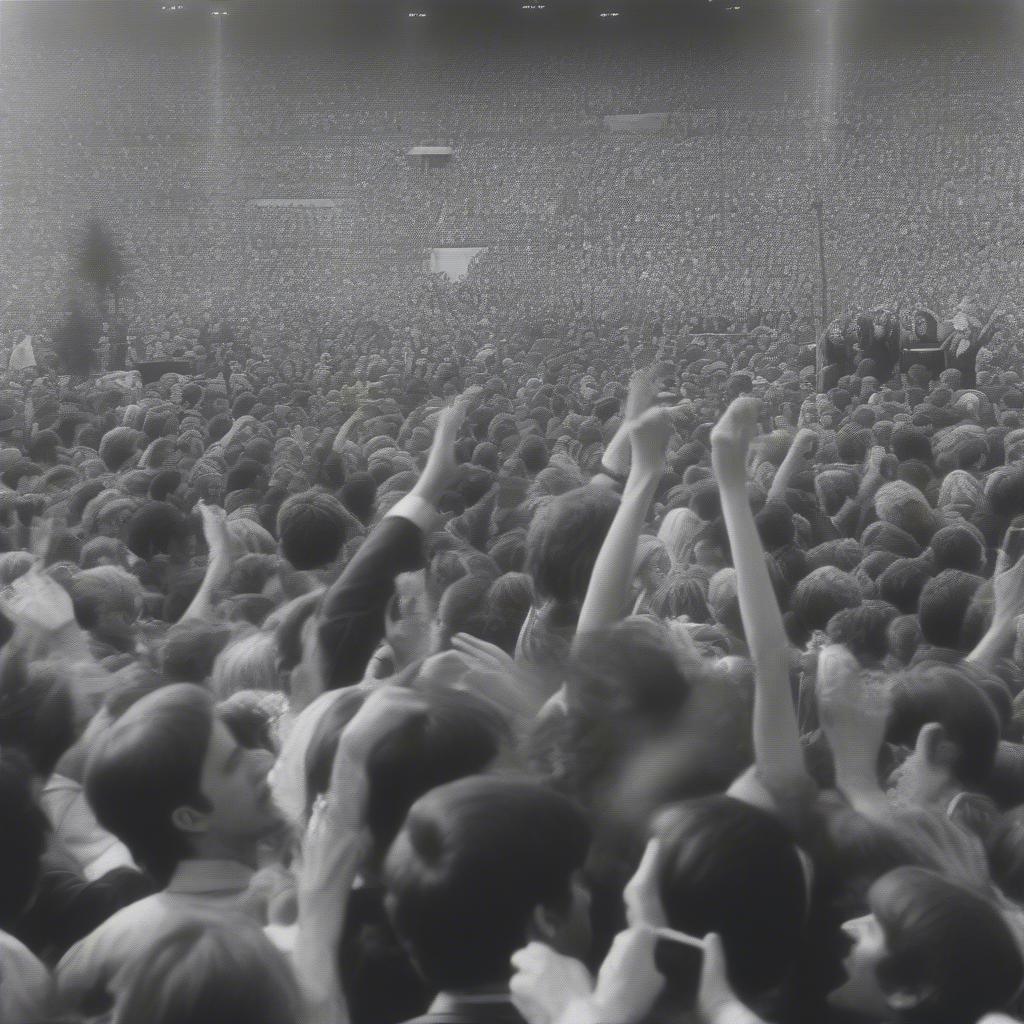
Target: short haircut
{"points": [[943, 608], [206, 969], [934, 692], [902, 582], [864, 630], [958, 547], [564, 541], [472, 862], [728, 867], [822, 593], [190, 649], [458, 736], [153, 529], [149, 764], [947, 940]]}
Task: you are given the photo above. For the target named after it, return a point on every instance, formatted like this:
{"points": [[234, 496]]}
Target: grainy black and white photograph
{"points": [[511, 512]]}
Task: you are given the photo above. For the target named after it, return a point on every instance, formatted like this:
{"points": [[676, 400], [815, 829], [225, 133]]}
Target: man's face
{"points": [[234, 781], [920, 326]]}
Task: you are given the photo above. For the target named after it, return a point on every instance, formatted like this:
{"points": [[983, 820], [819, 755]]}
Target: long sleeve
{"points": [[352, 618]]}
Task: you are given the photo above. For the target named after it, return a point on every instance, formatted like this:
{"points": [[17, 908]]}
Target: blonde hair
{"points": [[248, 663]]}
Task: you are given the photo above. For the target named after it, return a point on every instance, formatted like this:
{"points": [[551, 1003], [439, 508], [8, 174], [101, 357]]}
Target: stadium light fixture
{"points": [[417, 14], [533, 7], [610, 14]]}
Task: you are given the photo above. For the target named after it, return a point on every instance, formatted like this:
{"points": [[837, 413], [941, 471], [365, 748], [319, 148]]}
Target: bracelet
{"points": [[619, 478]]}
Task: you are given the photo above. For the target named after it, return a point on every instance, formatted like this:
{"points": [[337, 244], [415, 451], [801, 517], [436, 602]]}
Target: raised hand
{"points": [[441, 466], [738, 426], [545, 983], [629, 982], [649, 436], [643, 392], [715, 992], [38, 603], [1008, 582], [215, 530]]}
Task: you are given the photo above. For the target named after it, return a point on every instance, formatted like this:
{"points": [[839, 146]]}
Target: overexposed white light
{"points": [[609, 14], [534, 7], [417, 14]]}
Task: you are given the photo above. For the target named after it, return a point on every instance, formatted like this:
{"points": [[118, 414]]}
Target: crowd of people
{"points": [[599, 639]]}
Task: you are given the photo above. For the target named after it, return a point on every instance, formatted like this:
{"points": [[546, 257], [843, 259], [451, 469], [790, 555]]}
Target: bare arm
{"points": [[610, 581], [777, 749]]}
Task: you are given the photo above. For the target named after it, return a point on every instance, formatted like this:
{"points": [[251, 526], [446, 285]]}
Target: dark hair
{"points": [[148, 765], [25, 829], [207, 969], [312, 527], [191, 647], [470, 865], [946, 940], [731, 868], [864, 630], [943, 607], [958, 547], [822, 593], [153, 528], [564, 541], [940, 693], [902, 582], [457, 736]]}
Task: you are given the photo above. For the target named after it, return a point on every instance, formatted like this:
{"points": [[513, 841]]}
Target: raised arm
{"points": [[341, 438], [218, 565], [352, 616], [798, 458], [615, 463], [778, 754], [1008, 586], [608, 592]]}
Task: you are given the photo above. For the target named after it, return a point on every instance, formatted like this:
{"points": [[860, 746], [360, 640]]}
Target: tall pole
{"points": [[819, 209]]}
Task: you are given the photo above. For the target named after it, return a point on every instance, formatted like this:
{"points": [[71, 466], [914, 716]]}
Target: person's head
{"points": [[480, 867], [158, 528], [564, 540], [943, 609], [171, 783], [951, 728], [190, 649], [716, 864], [929, 951], [26, 829], [205, 969], [248, 663], [456, 736], [312, 527], [958, 547], [823, 593], [902, 582], [107, 601]]}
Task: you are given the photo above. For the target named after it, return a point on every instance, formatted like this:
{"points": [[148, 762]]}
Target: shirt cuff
{"points": [[417, 511]]}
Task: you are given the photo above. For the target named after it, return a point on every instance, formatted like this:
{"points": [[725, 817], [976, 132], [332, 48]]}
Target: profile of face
{"points": [[861, 993], [234, 782]]}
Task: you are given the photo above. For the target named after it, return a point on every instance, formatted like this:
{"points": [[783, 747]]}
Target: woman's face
{"points": [[861, 992]]}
